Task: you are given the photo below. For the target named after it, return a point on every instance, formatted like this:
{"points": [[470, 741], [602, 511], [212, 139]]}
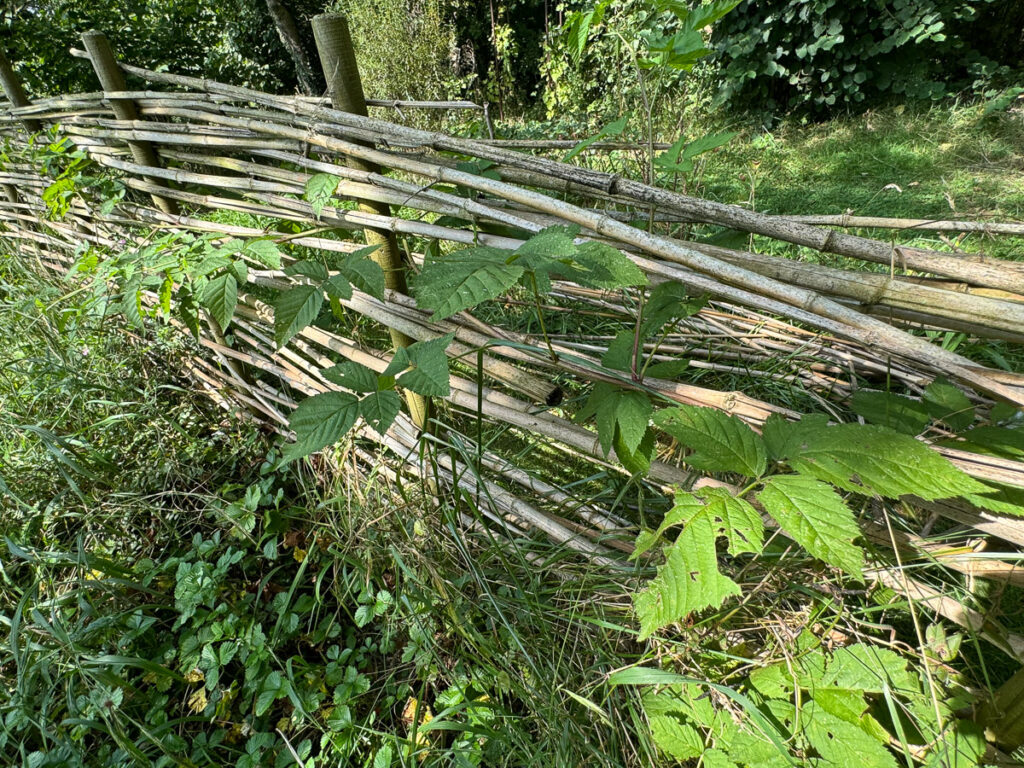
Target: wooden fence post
{"points": [[111, 79], [345, 87], [16, 95]]}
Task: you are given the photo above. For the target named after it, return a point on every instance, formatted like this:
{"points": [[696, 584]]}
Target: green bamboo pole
{"points": [[345, 88], [111, 79]]}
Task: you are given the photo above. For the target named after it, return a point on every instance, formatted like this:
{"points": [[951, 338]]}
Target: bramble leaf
{"points": [[265, 252], [319, 190], [816, 517], [870, 459], [379, 409], [428, 367], [353, 376], [320, 421], [719, 442], [363, 272], [220, 296], [888, 410], [464, 279], [294, 309]]}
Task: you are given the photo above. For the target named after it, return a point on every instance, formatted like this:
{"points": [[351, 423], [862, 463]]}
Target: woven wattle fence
{"points": [[186, 148]]}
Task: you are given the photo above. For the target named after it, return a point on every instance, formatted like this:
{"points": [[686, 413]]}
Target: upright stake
{"points": [[334, 44], [16, 95], [111, 79]]}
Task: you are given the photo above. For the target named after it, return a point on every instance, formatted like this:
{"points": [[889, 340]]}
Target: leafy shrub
{"points": [[778, 55]]}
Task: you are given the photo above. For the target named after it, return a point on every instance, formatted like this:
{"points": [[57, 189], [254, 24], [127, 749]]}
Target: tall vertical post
{"points": [[345, 87], [111, 79], [16, 95]]}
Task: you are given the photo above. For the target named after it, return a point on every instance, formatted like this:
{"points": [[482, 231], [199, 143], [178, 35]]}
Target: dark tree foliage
{"points": [[818, 55], [231, 40]]}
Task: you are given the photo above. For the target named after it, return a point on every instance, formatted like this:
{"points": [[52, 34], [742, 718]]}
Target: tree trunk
{"points": [[289, 35]]}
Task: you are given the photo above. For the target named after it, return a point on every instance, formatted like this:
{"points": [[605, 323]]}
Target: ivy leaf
{"points": [[872, 459], [319, 190], [363, 272], [719, 442], [320, 421], [379, 409], [947, 403], [888, 410], [464, 279], [294, 309], [353, 376], [314, 270], [428, 364], [816, 517], [220, 296], [265, 252]]}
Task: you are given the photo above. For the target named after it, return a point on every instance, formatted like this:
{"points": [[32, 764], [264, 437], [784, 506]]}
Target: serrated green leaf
{"points": [[870, 459], [379, 409], [739, 522], [428, 367], [319, 190], [636, 462], [945, 402], [337, 287], [265, 252], [619, 355], [669, 727], [816, 517], [464, 279], [719, 442], [220, 297], [619, 411], [294, 309], [314, 270], [131, 302], [240, 270], [666, 302], [1005, 499], [187, 311], [551, 243], [893, 411], [353, 376], [784, 438], [605, 267], [841, 743], [688, 581], [363, 272], [320, 421]]}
